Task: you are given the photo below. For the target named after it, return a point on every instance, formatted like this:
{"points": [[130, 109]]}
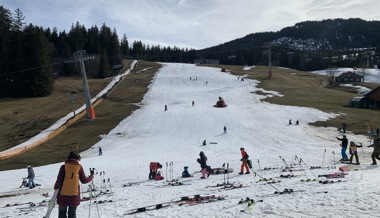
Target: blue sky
{"points": [[188, 23]]}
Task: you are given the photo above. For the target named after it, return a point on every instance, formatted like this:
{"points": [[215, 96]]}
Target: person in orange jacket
{"points": [[153, 169], [244, 159]]}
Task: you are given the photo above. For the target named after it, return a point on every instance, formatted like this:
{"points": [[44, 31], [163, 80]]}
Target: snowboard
{"points": [[349, 167], [51, 204]]}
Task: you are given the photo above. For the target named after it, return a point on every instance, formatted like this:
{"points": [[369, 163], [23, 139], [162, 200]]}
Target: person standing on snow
{"points": [[31, 176], [376, 150], [206, 170], [100, 151], [224, 130], [354, 152], [67, 182], [344, 147], [344, 127], [166, 108], [153, 169], [244, 159]]}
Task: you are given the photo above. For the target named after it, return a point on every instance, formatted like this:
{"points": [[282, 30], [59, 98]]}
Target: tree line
{"points": [[32, 55], [308, 45]]}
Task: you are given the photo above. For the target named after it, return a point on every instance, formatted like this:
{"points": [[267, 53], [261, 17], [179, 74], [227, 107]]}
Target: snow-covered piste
{"points": [[174, 138]]}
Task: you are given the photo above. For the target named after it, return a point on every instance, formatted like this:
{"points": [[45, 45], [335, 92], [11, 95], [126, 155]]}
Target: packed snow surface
{"points": [[175, 136]]}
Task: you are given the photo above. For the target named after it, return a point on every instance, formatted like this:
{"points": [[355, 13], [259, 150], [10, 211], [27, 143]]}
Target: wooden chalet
{"points": [[348, 77]]}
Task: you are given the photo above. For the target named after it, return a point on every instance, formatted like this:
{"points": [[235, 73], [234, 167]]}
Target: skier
{"points": [[30, 177], [344, 127], [185, 172], [67, 182], [224, 130], [244, 159], [100, 151], [344, 147], [354, 152], [204, 142], [166, 108], [206, 170], [153, 169], [297, 122], [192, 103], [376, 150], [290, 122]]}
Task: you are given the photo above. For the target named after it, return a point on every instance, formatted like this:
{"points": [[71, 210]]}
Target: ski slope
{"points": [[175, 136]]}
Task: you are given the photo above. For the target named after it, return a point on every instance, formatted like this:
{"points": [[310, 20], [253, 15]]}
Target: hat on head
{"points": [[74, 155], [29, 166], [352, 143], [344, 136], [186, 167], [241, 148]]}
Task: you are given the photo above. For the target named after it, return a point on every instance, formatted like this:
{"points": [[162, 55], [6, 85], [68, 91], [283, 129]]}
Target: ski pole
{"points": [[258, 162], [228, 173], [303, 170], [283, 160], [167, 179], [224, 172], [172, 171], [334, 159], [101, 181], [323, 161], [265, 179], [308, 168], [109, 183], [93, 194]]}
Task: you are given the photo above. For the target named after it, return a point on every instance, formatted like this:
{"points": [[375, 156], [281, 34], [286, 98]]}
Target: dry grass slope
{"points": [[82, 134]]}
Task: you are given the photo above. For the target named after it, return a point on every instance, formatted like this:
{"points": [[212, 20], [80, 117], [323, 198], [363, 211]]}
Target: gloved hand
{"points": [[241, 159], [92, 171]]}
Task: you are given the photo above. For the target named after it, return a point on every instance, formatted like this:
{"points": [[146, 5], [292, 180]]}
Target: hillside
{"points": [[308, 45], [174, 139], [122, 101]]}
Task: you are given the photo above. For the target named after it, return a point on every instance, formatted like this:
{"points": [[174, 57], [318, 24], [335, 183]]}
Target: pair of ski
{"points": [[202, 200], [230, 187], [330, 181], [184, 200], [247, 201], [333, 175]]}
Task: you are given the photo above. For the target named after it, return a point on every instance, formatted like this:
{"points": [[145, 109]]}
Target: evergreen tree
{"points": [[124, 47], [38, 80], [104, 66]]}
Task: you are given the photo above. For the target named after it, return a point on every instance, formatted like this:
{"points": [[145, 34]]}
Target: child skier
{"points": [[158, 176], [244, 159], [206, 170], [354, 152], [185, 173]]}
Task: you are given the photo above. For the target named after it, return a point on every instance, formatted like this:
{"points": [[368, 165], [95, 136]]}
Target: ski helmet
{"points": [[352, 143]]}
